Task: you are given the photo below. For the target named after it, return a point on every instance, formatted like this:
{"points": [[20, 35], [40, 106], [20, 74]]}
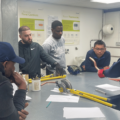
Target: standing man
{"points": [[32, 53], [99, 54], [11, 106], [54, 45]]}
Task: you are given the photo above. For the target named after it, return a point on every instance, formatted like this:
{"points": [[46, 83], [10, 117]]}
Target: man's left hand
{"points": [[106, 67], [23, 113], [100, 73], [59, 70]]}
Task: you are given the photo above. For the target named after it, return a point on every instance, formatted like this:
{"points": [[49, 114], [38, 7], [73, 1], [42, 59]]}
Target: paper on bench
{"points": [[85, 112], [63, 98]]}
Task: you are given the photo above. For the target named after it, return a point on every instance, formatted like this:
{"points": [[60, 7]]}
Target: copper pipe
{"points": [[46, 83], [115, 79], [94, 63]]}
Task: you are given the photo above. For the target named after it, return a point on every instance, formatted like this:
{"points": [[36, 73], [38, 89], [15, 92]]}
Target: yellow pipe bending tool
{"points": [[49, 77], [65, 86]]}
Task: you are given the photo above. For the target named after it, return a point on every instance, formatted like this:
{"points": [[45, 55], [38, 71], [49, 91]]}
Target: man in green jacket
{"points": [[33, 53]]}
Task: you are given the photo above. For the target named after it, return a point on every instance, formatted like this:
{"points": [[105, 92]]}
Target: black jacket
{"points": [[9, 104], [33, 54]]}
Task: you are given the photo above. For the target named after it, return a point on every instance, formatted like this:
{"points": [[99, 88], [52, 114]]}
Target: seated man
{"points": [[54, 45], [99, 54], [11, 106]]}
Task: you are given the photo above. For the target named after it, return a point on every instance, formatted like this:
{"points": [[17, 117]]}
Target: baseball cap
{"points": [[7, 53]]}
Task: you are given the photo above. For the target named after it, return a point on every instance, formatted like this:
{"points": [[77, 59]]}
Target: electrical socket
{"points": [[76, 48], [117, 43], [66, 51]]}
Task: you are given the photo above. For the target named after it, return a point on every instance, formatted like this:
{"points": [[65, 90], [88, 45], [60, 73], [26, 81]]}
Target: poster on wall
{"points": [[51, 18], [33, 18], [71, 27]]}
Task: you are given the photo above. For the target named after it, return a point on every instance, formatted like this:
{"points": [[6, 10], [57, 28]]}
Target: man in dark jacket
{"points": [[99, 54], [32, 53], [10, 106]]}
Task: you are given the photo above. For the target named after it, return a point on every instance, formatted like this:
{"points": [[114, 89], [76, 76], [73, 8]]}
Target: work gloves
{"points": [[59, 70], [101, 72]]}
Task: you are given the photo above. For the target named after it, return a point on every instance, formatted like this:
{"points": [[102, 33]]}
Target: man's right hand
{"points": [[19, 81], [43, 65], [83, 67]]}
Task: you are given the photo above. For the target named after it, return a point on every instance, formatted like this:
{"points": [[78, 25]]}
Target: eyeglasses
{"points": [[102, 49]]}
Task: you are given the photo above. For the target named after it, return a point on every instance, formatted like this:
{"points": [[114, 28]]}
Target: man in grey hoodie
{"points": [[54, 45]]}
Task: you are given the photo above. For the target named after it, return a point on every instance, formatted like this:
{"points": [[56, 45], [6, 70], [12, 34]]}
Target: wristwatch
{"points": [[55, 63]]}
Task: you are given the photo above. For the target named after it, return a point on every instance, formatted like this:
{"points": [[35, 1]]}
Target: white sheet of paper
{"points": [[76, 112], [15, 88], [28, 98], [63, 98], [108, 87]]}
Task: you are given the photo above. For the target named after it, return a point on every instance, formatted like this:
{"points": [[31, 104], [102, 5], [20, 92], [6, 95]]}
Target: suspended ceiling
{"points": [[80, 3]]}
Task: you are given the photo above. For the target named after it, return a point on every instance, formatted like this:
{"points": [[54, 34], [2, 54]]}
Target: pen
{"points": [[101, 91], [48, 104]]}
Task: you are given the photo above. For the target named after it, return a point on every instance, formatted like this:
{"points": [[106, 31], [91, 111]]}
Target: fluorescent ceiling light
{"points": [[106, 1]]}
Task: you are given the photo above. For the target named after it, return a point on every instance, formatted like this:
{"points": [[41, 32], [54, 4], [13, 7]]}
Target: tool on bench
{"points": [[65, 86], [52, 76], [49, 77]]}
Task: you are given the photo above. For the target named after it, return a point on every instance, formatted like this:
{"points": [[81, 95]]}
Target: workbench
{"points": [[85, 82]]}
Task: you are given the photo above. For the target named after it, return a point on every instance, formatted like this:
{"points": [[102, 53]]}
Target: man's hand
{"points": [[100, 73], [59, 70], [106, 67], [43, 65], [19, 81], [83, 67], [23, 113]]}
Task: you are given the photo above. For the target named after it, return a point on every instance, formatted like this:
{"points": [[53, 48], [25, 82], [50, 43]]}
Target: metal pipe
{"points": [[106, 47], [0, 22], [9, 10], [112, 47], [115, 56]]}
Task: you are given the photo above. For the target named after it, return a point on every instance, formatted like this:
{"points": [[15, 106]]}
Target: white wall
{"points": [[90, 25], [110, 40]]}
